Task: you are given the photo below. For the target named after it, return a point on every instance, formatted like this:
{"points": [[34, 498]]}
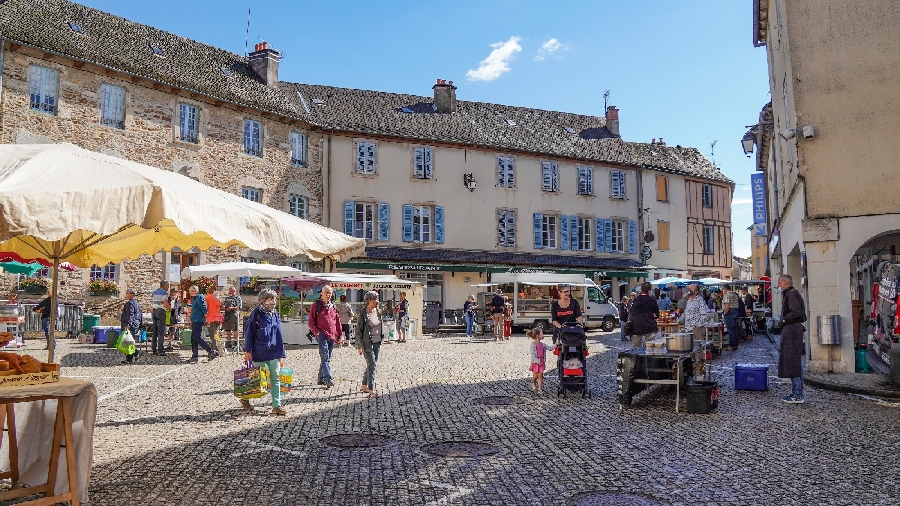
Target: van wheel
{"points": [[608, 325]]}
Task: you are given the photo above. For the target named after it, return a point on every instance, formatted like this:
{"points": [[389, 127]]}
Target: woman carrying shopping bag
{"points": [[368, 340], [264, 345]]}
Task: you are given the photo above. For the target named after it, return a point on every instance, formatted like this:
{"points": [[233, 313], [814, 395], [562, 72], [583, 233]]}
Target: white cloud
{"points": [[497, 63], [742, 201], [549, 48]]}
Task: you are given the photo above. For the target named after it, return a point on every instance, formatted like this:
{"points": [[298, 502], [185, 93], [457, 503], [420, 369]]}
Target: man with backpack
{"points": [[325, 323]]}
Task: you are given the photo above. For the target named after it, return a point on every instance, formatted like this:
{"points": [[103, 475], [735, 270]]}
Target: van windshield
{"points": [[594, 295]]}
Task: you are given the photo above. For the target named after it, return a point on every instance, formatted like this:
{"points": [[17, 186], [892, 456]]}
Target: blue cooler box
{"points": [[100, 332], [751, 377]]}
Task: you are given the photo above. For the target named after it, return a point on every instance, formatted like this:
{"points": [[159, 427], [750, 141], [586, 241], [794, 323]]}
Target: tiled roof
{"points": [[483, 124], [401, 254], [124, 45], [120, 44]]}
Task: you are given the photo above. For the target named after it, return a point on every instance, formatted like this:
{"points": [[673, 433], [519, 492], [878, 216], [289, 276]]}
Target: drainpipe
{"points": [[2, 69], [640, 208], [326, 193]]}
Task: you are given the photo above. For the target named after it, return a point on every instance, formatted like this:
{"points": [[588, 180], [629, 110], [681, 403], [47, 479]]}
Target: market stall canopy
{"points": [[15, 264], [240, 269], [62, 202], [665, 281], [713, 281], [363, 281], [304, 284]]}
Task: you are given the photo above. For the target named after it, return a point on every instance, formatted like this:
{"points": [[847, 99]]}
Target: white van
{"points": [[530, 296]]}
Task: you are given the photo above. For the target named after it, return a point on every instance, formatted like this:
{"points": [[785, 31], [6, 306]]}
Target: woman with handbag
{"points": [[368, 340], [264, 346]]}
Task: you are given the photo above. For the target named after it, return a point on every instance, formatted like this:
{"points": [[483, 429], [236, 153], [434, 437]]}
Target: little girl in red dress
{"points": [[538, 359]]}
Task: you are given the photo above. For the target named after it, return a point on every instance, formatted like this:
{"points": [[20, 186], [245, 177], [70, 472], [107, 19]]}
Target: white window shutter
{"points": [[511, 229], [427, 163], [419, 162]]}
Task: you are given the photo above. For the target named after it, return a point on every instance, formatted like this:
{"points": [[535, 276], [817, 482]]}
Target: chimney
{"points": [[661, 143], [612, 120], [444, 96], [264, 62]]}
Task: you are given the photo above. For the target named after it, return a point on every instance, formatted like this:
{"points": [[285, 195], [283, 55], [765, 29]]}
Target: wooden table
{"points": [[67, 392], [668, 327]]}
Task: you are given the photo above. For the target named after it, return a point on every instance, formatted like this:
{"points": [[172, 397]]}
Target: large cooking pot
{"points": [[680, 341]]}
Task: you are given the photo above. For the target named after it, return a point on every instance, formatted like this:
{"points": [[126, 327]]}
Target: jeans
{"points": [[622, 331], [159, 330], [197, 339], [731, 324], [371, 361], [45, 324], [797, 386], [470, 324], [274, 367], [325, 347]]}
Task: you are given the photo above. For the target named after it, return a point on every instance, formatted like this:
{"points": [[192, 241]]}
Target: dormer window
{"points": [[76, 27], [156, 50]]}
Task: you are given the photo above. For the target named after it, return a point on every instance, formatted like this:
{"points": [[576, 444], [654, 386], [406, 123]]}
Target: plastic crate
{"points": [[751, 377], [101, 334], [702, 397]]}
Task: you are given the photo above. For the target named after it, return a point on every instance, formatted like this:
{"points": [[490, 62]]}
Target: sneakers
{"points": [[213, 355], [320, 382], [278, 411], [193, 360], [245, 405], [793, 399], [328, 384], [137, 355]]}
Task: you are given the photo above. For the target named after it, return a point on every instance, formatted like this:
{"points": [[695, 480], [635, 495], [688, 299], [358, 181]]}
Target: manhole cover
{"points": [[613, 499], [499, 400], [356, 440], [460, 449]]}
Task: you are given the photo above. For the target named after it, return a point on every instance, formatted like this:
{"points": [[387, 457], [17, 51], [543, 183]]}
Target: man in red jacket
{"points": [[325, 323]]}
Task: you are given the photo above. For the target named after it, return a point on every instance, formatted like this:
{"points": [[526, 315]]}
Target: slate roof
{"points": [[123, 45], [120, 44], [402, 254]]}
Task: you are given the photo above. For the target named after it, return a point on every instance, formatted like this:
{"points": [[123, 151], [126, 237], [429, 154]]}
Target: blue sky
{"points": [[683, 71]]}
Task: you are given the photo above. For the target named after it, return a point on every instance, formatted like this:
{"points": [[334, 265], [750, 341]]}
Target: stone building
{"points": [[828, 148]]}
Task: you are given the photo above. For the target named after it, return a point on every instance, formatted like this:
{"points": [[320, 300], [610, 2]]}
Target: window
{"points": [[423, 224], [112, 106], [617, 184], [549, 226], [42, 89], [108, 271], [422, 167], [662, 189], [583, 232], [187, 122], [585, 180], [662, 235], [254, 194], [708, 240], [367, 220], [617, 243], [707, 196], [506, 177], [302, 266], [298, 205], [252, 142], [298, 149], [365, 158], [506, 228], [549, 177]]}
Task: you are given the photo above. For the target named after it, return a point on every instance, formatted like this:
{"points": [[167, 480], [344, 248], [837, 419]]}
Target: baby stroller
{"points": [[571, 350]]}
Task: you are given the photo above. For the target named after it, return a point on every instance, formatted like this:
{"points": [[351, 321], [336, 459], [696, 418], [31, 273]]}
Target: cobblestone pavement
{"points": [[171, 433]]}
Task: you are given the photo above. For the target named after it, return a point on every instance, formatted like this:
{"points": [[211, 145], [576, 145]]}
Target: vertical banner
{"points": [[758, 187]]}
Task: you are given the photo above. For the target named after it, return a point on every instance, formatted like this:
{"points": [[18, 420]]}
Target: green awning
{"points": [[20, 268]]}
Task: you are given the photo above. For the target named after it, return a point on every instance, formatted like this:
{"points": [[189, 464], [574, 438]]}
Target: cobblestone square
{"points": [[172, 433]]}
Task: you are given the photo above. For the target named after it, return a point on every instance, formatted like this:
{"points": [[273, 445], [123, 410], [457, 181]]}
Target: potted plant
{"points": [[34, 286], [103, 287], [251, 287]]}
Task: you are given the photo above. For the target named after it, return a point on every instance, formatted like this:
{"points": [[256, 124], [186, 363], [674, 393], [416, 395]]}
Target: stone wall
{"points": [[150, 137]]}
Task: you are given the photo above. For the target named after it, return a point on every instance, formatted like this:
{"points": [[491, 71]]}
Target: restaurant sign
{"points": [[399, 266]]}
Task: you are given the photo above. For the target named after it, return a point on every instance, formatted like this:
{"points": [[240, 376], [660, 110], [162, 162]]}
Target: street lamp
{"points": [[469, 181], [747, 143]]}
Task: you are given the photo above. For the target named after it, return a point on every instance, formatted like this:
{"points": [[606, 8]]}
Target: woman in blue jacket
{"points": [[264, 346]]}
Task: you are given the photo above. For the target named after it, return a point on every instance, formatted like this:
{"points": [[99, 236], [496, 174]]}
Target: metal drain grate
{"points": [[356, 440], [460, 449], [499, 400], [614, 499]]}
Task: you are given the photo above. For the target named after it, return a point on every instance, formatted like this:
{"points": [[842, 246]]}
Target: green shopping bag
{"points": [[126, 343]]}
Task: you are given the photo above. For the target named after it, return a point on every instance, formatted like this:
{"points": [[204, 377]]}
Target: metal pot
{"points": [[680, 341]]}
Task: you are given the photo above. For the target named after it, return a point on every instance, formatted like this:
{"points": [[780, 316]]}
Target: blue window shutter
{"points": [[573, 233], [384, 221], [607, 234], [407, 222], [564, 232], [632, 236], [348, 217], [598, 235], [538, 242], [438, 225]]}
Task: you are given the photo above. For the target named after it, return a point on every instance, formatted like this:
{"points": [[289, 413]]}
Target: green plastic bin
{"points": [[89, 321], [186, 337], [112, 337]]}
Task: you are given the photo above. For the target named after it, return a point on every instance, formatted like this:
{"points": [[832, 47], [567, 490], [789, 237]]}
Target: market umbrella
{"points": [[65, 203], [240, 269], [305, 283]]}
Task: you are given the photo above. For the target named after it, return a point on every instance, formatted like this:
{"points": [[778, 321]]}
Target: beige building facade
{"points": [[829, 152]]}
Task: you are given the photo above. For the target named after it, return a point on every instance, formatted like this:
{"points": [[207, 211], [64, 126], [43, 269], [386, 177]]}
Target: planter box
{"points": [[35, 290], [249, 292], [104, 293], [49, 374]]}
